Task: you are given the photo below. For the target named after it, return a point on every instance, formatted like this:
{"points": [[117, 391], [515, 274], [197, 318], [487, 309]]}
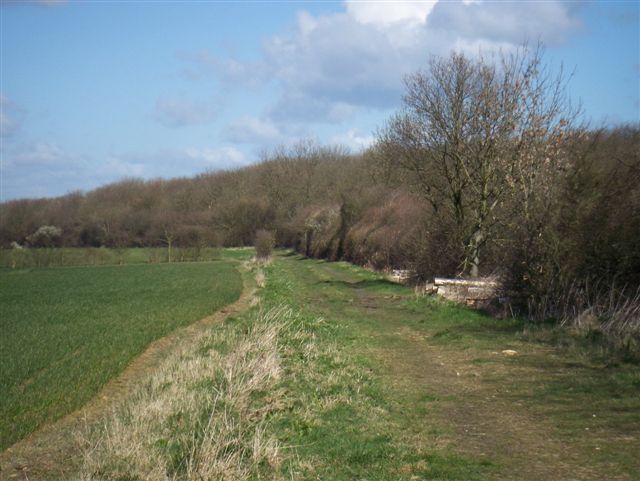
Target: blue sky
{"points": [[95, 91]]}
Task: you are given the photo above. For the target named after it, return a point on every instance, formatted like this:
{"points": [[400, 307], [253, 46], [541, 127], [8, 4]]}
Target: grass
{"points": [[67, 331], [345, 419], [92, 256], [336, 373], [202, 415], [404, 387]]}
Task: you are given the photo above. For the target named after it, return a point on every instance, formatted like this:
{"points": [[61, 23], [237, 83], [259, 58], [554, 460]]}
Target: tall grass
{"points": [[590, 308], [196, 418]]}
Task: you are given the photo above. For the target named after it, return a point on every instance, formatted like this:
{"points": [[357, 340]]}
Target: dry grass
{"points": [[595, 310], [617, 311], [195, 419], [260, 278]]}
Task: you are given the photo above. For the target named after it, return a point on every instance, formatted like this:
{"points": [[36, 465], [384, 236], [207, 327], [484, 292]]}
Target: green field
{"points": [[67, 331], [101, 256]]}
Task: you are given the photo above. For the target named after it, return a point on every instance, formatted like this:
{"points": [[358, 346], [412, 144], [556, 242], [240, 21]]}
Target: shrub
{"points": [[264, 243]]}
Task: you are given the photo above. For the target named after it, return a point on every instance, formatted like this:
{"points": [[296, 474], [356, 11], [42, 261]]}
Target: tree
{"points": [[474, 133], [167, 227]]}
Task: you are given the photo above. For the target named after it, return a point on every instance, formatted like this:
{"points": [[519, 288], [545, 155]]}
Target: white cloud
{"points": [[181, 112], [252, 130], [504, 22], [116, 167], [383, 14], [46, 169], [328, 71], [230, 70], [8, 125], [301, 106], [38, 154], [167, 163], [39, 169], [329, 67], [353, 139], [222, 157], [11, 116]]}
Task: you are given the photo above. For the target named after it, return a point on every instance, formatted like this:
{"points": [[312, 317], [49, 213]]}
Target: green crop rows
{"points": [[67, 331]]}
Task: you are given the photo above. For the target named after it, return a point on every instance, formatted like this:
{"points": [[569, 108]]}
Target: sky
{"points": [[95, 91]]}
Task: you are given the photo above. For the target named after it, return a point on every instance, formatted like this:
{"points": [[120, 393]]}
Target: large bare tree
{"points": [[475, 132]]}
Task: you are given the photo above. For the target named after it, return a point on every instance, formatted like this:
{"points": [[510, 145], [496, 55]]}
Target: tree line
{"points": [[486, 169]]}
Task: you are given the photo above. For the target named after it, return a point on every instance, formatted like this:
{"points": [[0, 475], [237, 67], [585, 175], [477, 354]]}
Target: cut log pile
{"points": [[477, 293], [474, 293], [401, 276]]}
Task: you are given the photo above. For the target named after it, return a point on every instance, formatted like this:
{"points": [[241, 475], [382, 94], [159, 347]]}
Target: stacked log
{"points": [[401, 276], [474, 293]]}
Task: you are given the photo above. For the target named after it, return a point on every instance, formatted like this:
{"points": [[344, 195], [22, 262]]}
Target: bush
{"points": [[45, 236], [265, 242]]}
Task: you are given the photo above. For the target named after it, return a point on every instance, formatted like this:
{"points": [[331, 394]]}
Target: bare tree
{"points": [[474, 132]]}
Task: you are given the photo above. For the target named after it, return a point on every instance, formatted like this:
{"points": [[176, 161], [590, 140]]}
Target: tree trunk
{"points": [[474, 252], [308, 234]]}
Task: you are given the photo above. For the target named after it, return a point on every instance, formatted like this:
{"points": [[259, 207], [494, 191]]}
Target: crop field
{"points": [[101, 256], [67, 331]]}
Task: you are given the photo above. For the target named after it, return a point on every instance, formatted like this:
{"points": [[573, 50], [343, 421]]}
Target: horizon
{"points": [[158, 90]]}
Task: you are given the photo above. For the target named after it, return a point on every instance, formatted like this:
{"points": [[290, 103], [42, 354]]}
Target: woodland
{"points": [[486, 169]]}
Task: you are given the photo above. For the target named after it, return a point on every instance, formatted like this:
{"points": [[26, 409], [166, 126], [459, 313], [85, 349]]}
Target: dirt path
{"points": [[482, 419], [51, 451], [478, 409]]}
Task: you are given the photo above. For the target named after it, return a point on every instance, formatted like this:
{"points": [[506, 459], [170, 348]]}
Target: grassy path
{"points": [[440, 399]]}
